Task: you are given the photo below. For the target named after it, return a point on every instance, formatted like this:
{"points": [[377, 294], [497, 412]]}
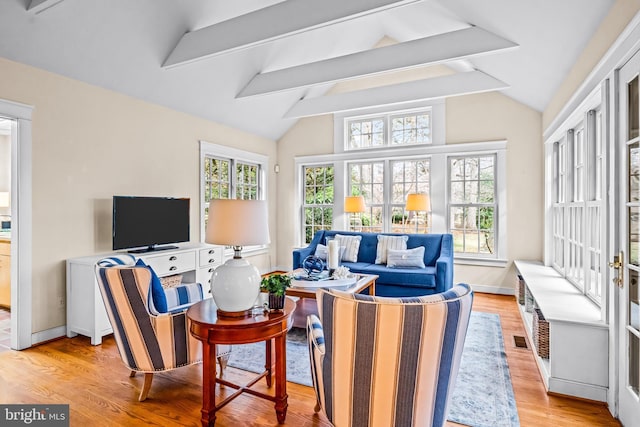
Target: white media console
{"points": [[86, 314]]}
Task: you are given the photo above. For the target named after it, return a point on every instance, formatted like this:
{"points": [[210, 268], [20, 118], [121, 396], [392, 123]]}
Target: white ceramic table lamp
{"points": [[235, 285]]}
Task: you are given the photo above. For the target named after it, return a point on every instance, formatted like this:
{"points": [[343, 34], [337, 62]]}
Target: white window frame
{"points": [[438, 155], [304, 205], [208, 149], [576, 198], [437, 126], [456, 204]]}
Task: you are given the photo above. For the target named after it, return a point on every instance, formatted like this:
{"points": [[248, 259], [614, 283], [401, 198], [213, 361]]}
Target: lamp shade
{"points": [[417, 202], [237, 222], [4, 199], [354, 204]]}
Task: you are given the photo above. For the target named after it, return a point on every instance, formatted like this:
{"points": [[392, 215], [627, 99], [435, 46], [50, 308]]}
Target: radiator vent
{"points": [[520, 341]]}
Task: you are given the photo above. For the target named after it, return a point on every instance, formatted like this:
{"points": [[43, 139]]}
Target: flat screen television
{"points": [[147, 222]]}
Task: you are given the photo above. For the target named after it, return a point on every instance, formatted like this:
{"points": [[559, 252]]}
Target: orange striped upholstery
{"points": [[379, 361]]}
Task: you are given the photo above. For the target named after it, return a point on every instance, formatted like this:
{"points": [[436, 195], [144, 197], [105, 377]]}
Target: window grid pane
{"points": [[217, 181], [472, 207], [411, 129], [577, 225], [318, 200], [389, 130], [366, 133], [367, 180], [409, 176], [247, 176]]}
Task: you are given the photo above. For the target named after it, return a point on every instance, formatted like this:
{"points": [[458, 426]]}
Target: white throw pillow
{"points": [[389, 242], [351, 246], [406, 258], [322, 252]]}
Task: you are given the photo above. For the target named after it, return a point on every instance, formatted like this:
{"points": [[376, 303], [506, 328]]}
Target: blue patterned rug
{"points": [[482, 397]]}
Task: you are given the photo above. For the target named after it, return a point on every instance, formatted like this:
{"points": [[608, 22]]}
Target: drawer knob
{"points": [[212, 251], [211, 270], [173, 267], [173, 258], [212, 260]]}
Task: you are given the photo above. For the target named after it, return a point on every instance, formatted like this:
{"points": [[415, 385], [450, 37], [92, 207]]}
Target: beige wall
{"points": [[473, 118], [89, 144], [621, 13], [493, 116]]}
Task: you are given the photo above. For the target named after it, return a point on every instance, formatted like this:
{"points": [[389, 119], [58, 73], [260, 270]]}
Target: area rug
{"points": [[482, 397]]}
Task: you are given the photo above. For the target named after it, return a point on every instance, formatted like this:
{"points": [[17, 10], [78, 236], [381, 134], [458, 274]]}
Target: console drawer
{"points": [[210, 256], [172, 263]]}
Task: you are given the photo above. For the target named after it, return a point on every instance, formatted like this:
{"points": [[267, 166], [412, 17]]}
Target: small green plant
{"points": [[276, 284]]}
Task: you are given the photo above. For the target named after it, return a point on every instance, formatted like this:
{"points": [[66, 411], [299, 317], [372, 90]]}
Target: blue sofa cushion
{"points": [[421, 277]]}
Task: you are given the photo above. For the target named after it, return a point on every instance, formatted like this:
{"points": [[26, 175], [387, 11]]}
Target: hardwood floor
{"points": [[97, 386]]}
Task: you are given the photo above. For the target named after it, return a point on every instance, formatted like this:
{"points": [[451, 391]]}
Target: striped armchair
{"points": [[148, 341], [379, 361]]}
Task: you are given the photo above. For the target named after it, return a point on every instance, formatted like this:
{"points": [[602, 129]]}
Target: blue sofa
{"points": [[437, 276]]}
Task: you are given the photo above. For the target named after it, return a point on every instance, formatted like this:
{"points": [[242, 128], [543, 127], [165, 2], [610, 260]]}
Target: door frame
{"points": [[21, 223], [621, 239]]}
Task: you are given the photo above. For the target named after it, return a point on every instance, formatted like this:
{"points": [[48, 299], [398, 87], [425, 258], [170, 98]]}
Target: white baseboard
{"points": [[493, 290], [572, 388], [47, 335]]}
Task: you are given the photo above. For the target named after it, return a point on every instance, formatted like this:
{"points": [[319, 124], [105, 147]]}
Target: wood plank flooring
{"points": [[93, 380]]}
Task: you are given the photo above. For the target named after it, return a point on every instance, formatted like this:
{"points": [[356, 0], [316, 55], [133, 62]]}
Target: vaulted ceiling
{"points": [[259, 65]]}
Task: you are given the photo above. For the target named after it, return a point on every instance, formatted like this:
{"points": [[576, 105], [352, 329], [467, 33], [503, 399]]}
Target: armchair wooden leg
{"points": [[223, 361], [132, 374], [148, 377], [317, 408]]}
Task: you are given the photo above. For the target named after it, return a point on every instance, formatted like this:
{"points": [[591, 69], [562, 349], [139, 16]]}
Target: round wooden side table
{"points": [[212, 330]]}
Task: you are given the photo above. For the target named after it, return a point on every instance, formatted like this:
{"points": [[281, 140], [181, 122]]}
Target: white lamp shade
{"points": [[354, 204], [237, 222], [4, 199], [235, 285], [417, 202]]}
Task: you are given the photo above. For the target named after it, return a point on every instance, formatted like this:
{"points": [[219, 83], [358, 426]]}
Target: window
{"points": [[414, 128], [576, 222], [408, 155], [367, 179], [388, 130], [472, 204], [229, 173], [409, 176], [318, 194], [366, 133]]}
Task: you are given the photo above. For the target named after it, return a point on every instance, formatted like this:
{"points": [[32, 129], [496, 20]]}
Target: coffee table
{"points": [[307, 305]]}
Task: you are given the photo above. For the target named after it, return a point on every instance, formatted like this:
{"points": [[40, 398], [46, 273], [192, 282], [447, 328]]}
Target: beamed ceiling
{"points": [[260, 65]]}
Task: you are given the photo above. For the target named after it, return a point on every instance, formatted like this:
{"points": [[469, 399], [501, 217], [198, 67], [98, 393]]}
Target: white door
{"points": [[628, 271]]}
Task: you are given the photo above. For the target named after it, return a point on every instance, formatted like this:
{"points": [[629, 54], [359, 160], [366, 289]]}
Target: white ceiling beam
{"points": [[271, 23], [37, 6], [425, 51], [418, 90]]}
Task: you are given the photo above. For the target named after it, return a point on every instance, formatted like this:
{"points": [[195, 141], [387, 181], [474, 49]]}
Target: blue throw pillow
{"points": [[157, 291]]}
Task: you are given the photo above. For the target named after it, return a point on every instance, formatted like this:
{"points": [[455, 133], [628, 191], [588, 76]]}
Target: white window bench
{"points": [[578, 363]]}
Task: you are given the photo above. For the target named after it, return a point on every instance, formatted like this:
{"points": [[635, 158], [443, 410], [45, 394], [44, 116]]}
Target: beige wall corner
{"points": [[621, 13], [309, 136]]}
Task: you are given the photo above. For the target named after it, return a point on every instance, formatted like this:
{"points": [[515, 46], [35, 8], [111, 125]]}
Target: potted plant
{"points": [[276, 285]]}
